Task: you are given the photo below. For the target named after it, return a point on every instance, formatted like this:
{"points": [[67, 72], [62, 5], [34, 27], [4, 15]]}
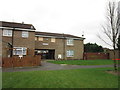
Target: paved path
{"points": [[51, 66]]}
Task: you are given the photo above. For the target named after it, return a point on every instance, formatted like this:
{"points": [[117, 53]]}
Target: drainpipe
{"points": [[64, 47], [10, 46], [12, 42]]}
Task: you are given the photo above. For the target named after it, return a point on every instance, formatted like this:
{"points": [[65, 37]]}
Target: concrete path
{"points": [[51, 66]]}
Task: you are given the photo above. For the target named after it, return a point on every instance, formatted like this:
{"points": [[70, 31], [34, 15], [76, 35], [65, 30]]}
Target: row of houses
{"points": [[19, 39]]}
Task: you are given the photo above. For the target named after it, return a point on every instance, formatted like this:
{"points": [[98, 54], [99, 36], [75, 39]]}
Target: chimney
{"points": [[22, 22]]}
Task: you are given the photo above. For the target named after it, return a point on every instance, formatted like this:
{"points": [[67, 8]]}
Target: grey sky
{"points": [[59, 16]]}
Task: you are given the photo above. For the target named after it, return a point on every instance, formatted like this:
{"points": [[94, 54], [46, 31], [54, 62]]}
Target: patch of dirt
{"points": [[114, 72]]}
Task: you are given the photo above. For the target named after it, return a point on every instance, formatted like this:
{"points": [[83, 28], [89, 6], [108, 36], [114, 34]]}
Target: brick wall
{"points": [[29, 42], [94, 56]]}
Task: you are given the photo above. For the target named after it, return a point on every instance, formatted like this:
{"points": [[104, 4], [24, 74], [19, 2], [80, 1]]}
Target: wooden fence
{"points": [[94, 56], [21, 62]]}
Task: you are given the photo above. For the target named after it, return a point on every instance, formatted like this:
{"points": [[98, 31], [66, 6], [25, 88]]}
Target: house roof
{"points": [[58, 35], [16, 25]]}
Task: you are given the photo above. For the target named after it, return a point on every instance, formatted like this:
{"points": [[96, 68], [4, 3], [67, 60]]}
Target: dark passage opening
{"points": [[45, 53]]}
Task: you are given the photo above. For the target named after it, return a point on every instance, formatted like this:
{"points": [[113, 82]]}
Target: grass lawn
{"points": [[84, 62], [77, 78]]}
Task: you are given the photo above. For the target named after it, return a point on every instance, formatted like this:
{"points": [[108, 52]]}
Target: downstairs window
{"points": [[20, 51], [70, 53]]}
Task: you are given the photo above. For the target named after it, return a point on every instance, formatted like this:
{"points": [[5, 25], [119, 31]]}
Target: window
{"points": [[35, 38], [69, 41], [19, 51], [52, 39], [7, 32], [25, 34], [40, 38], [46, 39], [70, 53]]}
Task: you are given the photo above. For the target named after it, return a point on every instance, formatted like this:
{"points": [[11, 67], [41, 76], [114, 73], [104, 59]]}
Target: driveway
{"points": [[51, 66]]}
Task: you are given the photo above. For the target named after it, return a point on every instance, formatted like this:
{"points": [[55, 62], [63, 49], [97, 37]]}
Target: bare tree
{"points": [[111, 29], [118, 45]]}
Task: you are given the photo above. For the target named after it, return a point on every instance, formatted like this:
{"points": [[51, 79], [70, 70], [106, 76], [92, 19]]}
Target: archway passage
{"points": [[46, 53]]}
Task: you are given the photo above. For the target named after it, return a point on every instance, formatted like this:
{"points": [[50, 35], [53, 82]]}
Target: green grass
{"points": [[78, 78], [84, 62], [0, 78]]}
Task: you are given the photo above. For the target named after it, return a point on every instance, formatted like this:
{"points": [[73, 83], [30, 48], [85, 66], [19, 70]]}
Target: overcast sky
{"points": [[74, 17]]}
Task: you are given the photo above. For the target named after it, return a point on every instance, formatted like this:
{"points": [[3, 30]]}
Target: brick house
{"points": [[111, 53], [58, 46], [22, 39], [17, 38]]}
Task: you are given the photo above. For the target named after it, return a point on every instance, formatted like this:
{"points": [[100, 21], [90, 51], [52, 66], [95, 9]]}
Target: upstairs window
{"points": [[7, 33], [52, 39], [25, 34], [46, 39], [19, 51], [35, 38], [70, 53], [70, 42], [40, 38]]}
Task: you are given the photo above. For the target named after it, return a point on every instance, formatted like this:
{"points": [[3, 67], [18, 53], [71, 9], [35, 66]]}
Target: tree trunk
{"points": [[119, 53], [115, 64]]}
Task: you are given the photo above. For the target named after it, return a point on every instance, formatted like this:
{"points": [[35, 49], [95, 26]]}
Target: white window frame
{"points": [[70, 41], [25, 34], [22, 51], [7, 33], [70, 53]]}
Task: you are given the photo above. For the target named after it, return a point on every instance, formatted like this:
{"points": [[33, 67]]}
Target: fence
{"points": [[93, 56], [21, 62]]}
